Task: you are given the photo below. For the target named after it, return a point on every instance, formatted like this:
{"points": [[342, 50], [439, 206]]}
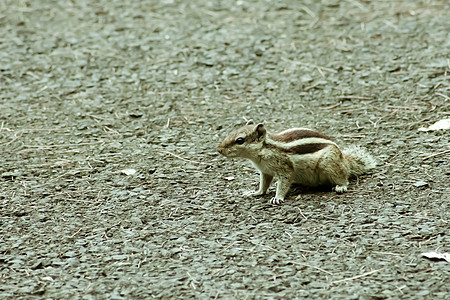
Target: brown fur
{"points": [[302, 149], [296, 134]]}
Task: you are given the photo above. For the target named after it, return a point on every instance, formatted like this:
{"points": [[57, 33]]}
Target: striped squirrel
{"points": [[297, 155]]}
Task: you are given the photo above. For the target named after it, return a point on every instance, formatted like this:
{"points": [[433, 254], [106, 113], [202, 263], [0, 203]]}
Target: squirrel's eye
{"points": [[240, 141]]}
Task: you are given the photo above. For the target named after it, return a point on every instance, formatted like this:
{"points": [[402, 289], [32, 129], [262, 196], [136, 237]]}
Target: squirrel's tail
{"points": [[359, 159]]}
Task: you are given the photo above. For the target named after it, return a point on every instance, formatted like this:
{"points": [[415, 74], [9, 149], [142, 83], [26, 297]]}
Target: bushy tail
{"points": [[359, 159]]}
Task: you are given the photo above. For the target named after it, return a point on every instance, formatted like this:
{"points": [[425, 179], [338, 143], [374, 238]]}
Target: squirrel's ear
{"points": [[250, 122], [260, 131]]}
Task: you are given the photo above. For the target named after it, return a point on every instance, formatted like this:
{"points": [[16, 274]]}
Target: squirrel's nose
{"points": [[221, 150]]}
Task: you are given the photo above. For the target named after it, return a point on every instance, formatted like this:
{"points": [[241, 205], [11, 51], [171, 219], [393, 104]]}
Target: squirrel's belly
{"points": [[307, 177], [306, 173]]}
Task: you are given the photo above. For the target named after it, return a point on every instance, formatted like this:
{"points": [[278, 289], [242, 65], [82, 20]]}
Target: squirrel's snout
{"points": [[222, 150]]}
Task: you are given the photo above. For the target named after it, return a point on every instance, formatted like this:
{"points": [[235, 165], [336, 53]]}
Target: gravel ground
{"points": [[91, 89]]}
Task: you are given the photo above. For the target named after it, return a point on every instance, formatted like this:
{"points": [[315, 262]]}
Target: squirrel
{"points": [[297, 155]]}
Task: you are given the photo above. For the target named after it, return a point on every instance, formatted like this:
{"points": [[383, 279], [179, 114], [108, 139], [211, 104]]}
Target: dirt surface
{"points": [[92, 88]]}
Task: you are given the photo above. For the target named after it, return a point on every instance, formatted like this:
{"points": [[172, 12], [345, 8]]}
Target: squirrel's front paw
{"points": [[276, 200], [252, 194]]}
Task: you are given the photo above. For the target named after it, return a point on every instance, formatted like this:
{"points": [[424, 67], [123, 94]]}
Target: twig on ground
{"points": [[314, 267], [442, 95], [73, 235], [436, 154], [358, 276], [331, 106], [40, 147], [185, 159], [355, 97], [302, 213]]}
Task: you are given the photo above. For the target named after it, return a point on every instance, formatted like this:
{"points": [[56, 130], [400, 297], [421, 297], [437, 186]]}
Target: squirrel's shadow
{"points": [[298, 189]]}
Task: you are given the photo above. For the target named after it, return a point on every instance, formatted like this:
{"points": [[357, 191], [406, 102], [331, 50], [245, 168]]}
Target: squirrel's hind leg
{"points": [[334, 170]]}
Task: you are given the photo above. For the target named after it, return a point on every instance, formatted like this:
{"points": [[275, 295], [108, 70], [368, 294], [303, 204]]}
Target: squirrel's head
{"points": [[243, 142]]}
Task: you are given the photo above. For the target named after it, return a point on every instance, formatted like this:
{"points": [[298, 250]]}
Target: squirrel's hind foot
{"points": [[340, 189]]}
